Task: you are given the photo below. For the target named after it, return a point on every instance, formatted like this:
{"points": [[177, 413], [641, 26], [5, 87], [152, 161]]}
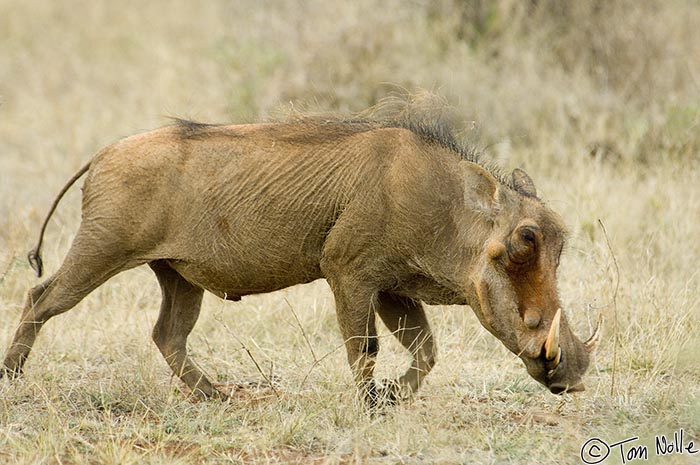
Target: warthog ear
{"points": [[480, 188], [523, 183]]}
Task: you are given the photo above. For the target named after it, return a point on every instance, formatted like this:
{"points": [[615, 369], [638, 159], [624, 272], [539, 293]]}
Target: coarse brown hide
{"points": [[391, 214]]}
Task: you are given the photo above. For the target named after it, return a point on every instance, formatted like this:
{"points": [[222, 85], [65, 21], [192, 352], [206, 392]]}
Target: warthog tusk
{"points": [[552, 351], [593, 341]]}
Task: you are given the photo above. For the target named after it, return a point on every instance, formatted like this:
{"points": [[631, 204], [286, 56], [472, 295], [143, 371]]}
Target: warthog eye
{"points": [[528, 235], [523, 245]]}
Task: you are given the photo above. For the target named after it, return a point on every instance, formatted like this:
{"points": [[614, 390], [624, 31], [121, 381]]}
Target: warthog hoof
{"points": [[199, 395], [10, 373], [388, 393]]}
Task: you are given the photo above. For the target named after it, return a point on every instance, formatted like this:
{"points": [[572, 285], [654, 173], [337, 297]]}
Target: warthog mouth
{"points": [[551, 367], [564, 388], [553, 359]]}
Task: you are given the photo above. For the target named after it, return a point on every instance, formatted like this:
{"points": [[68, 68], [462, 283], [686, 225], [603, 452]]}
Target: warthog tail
{"points": [[34, 255]]}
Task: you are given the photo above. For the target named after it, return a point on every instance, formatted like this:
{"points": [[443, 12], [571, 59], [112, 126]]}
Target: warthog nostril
{"points": [[559, 388]]}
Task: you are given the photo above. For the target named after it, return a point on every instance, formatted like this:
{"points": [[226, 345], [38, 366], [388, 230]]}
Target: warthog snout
{"points": [[562, 363]]}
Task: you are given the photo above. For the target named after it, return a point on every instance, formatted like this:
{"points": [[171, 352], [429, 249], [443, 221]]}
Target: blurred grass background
{"points": [[599, 101]]}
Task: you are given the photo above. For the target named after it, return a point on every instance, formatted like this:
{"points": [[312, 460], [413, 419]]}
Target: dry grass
{"points": [[599, 101]]}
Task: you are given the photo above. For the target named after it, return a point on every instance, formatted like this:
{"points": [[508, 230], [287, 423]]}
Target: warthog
{"points": [[392, 213]]}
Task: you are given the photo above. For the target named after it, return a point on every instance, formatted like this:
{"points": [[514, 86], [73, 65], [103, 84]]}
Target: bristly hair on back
{"points": [[425, 114], [189, 129], [428, 116], [434, 120]]}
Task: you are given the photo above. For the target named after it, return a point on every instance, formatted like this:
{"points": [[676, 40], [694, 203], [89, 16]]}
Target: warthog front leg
{"points": [[178, 314], [355, 302], [406, 319]]}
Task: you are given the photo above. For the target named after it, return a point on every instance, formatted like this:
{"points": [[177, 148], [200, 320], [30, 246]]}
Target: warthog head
{"points": [[515, 287]]}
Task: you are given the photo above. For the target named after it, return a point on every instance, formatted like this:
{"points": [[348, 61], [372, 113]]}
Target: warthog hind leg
{"points": [[178, 314], [406, 319], [88, 264]]}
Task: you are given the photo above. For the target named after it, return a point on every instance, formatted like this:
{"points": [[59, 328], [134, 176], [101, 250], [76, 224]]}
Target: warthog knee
{"points": [[36, 293], [162, 340]]}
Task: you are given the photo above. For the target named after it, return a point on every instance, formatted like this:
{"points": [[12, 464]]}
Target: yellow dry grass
{"points": [[598, 101]]}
